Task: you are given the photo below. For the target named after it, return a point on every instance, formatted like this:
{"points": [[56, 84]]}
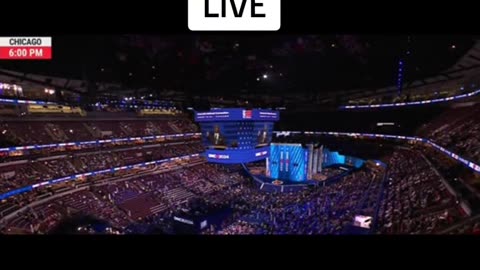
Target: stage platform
{"points": [[268, 180], [274, 185]]}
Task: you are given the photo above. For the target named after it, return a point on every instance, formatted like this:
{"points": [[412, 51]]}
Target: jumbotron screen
{"points": [[236, 135], [239, 135]]}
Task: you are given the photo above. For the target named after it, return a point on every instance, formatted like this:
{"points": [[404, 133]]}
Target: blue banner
{"points": [[236, 114], [236, 156]]}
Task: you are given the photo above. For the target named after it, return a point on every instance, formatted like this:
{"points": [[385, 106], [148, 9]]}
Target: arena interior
{"points": [[111, 141]]}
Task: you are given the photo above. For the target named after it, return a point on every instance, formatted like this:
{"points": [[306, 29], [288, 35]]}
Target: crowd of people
{"points": [[29, 172], [123, 203], [45, 132], [415, 199], [457, 130], [408, 198], [323, 210], [405, 197]]}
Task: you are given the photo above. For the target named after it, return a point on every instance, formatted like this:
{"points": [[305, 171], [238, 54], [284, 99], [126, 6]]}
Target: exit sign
{"points": [[234, 15]]}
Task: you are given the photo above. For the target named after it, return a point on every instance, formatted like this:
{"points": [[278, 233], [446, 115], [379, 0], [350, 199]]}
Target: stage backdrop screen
{"points": [[288, 162]]}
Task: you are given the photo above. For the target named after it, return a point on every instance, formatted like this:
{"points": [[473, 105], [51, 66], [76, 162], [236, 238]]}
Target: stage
{"points": [[277, 182], [331, 175]]}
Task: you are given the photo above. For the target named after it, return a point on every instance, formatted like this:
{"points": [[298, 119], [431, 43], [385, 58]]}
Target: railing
{"points": [[95, 173], [402, 104], [99, 142]]}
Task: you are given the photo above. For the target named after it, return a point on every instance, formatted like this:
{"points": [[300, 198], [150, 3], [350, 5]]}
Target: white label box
{"points": [[234, 15]]}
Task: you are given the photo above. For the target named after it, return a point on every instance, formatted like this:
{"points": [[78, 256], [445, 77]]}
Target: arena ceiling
{"points": [[267, 64]]}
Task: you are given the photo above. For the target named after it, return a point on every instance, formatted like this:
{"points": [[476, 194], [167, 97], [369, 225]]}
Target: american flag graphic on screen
{"points": [[247, 114]]}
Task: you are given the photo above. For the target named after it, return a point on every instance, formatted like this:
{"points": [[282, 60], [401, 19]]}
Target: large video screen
{"points": [[236, 135], [241, 135]]}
